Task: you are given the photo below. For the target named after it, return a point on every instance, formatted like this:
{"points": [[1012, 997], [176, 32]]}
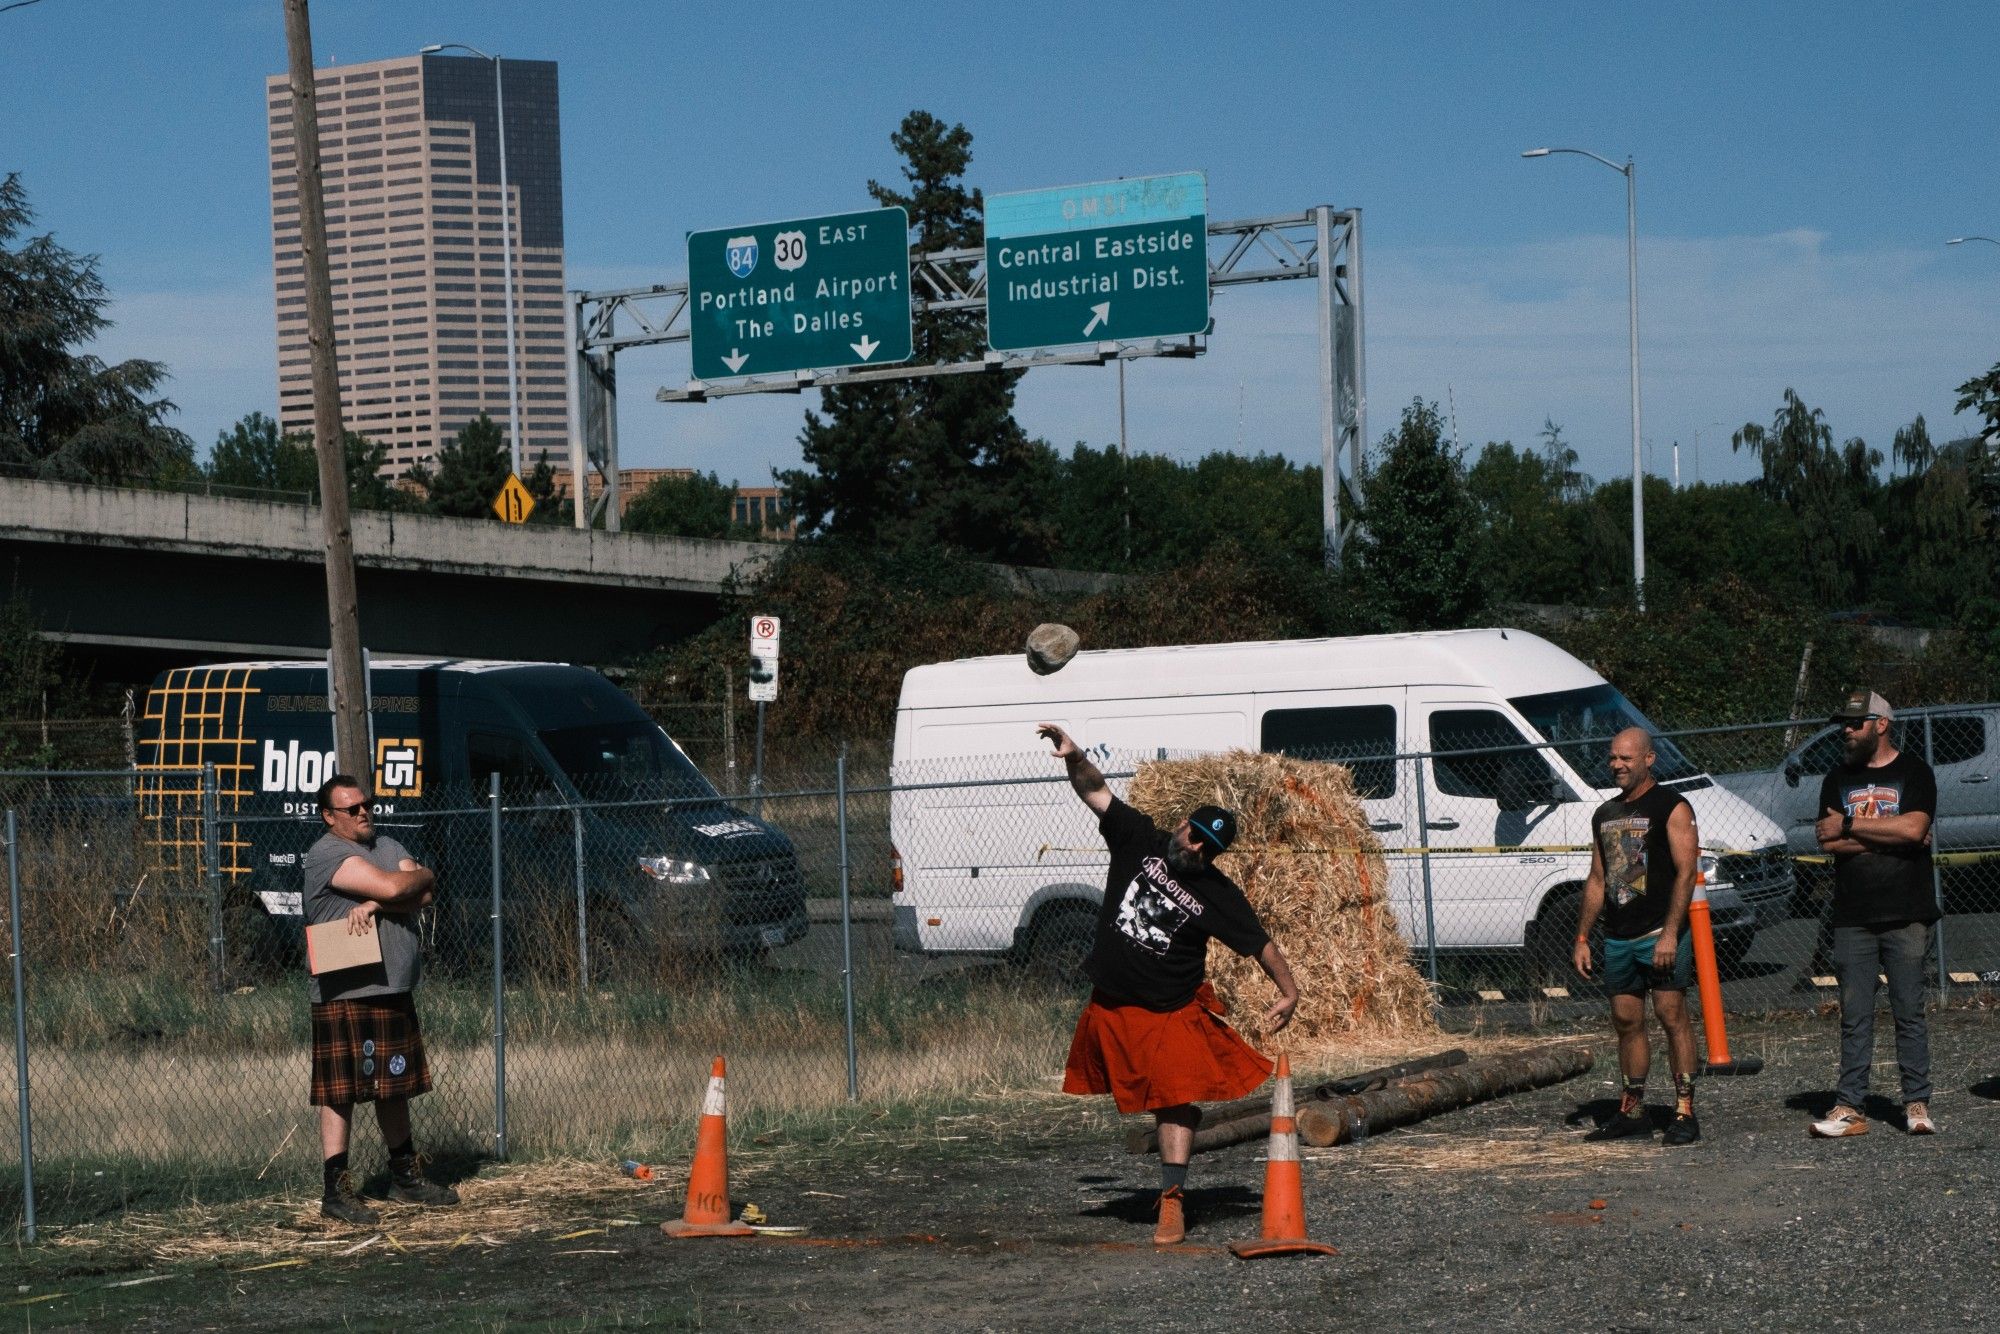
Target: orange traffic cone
{"points": [[1708, 984], [707, 1211], [1284, 1193]]}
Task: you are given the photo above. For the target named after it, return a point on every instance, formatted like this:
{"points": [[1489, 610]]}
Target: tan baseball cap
{"points": [[1862, 704]]}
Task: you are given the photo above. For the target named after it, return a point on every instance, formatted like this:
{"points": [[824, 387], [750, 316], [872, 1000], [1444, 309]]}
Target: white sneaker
{"points": [[1917, 1118], [1840, 1123]]}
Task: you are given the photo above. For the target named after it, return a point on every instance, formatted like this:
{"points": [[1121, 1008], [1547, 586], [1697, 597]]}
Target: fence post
{"points": [[1424, 834], [1937, 877], [499, 994], [20, 1029], [846, 924], [211, 867], [582, 913]]}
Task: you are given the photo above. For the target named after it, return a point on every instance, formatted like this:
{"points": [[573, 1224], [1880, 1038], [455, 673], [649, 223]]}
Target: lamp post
{"points": [[1630, 172], [506, 249], [1961, 240]]}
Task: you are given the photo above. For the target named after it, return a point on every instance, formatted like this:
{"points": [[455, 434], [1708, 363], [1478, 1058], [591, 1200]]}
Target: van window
{"points": [[1496, 774], [487, 754], [1589, 718], [1362, 736], [1957, 737], [603, 758]]}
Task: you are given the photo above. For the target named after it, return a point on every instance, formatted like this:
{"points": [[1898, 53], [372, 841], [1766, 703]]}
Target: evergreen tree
{"points": [[63, 413], [1419, 540], [940, 460], [470, 472], [698, 505], [252, 455]]}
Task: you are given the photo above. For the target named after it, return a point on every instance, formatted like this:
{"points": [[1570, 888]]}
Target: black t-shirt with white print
{"points": [[1882, 885], [1153, 930]]}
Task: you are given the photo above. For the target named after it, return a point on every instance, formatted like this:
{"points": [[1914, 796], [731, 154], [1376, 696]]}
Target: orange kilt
{"points": [[1146, 1059]]}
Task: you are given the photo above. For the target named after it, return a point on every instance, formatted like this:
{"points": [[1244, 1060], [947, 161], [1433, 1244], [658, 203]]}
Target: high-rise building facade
{"points": [[410, 157]]}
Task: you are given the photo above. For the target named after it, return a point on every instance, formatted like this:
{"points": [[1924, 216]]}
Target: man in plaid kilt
{"points": [[366, 1043]]}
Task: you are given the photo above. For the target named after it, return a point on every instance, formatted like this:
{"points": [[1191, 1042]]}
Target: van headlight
{"points": [[1705, 867], [673, 871]]}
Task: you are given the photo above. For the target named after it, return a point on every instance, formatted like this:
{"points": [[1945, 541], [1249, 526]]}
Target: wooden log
{"points": [[1338, 1120], [1145, 1139]]}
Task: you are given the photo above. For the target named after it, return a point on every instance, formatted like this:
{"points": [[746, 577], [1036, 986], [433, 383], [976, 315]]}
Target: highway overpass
{"points": [[136, 579]]}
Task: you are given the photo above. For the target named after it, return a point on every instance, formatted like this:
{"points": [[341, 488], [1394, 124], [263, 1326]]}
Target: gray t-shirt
{"points": [[402, 962]]}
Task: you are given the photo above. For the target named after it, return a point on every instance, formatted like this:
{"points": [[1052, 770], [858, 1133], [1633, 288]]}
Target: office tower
{"points": [[410, 156]]}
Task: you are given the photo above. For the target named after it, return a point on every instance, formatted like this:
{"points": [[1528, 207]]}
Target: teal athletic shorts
{"points": [[1628, 966]]}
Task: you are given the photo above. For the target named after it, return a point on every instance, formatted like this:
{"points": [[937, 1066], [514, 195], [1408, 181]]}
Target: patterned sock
{"points": [[1633, 1103], [1684, 1095], [1172, 1175], [331, 1170]]}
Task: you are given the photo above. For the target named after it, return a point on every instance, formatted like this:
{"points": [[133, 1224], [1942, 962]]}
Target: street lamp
{"points": [[1961, 240], [506, 249], [1630, 172]]}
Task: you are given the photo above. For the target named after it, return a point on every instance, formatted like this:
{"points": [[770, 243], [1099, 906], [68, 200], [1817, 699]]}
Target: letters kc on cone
{"points": [[707, 1211]]}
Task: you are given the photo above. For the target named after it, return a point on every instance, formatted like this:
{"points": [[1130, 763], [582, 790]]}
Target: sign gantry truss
{"points": [[1321, 243]]}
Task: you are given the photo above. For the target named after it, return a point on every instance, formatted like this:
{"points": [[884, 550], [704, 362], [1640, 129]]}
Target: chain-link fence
{"points": [[903, 933]]}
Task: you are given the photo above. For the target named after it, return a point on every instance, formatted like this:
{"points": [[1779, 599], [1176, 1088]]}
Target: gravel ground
{"points": [[1479, 1219]]}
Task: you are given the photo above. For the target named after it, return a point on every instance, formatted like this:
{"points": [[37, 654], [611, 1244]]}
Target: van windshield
{"points": [[1588, 719], [609, 758]]}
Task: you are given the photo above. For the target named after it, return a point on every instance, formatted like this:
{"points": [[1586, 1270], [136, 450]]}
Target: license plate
{"points": [[772, 936]]}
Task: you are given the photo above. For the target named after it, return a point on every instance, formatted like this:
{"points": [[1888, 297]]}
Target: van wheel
{"points": [[1058, 940], [1552, 936]]}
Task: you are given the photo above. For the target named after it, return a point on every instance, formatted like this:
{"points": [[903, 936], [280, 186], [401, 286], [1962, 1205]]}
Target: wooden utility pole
{"points": [[343, 610]]}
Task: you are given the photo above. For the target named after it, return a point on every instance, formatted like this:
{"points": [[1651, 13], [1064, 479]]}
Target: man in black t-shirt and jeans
{"points": [[1643, 850], [1877, 811], [1153, 1035]]}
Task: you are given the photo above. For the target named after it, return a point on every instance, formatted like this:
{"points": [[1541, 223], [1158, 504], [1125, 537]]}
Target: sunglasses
{"points": [[1855, 724], [357, 808]]}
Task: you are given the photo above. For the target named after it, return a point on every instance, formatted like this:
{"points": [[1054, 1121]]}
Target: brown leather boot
{"points": [[1171, 1230]]}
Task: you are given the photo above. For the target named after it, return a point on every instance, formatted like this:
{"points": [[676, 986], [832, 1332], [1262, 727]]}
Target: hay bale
{"points": [[1314, 872]]}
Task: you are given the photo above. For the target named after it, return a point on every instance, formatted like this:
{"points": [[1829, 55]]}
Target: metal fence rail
{"points": [[906, 933]]}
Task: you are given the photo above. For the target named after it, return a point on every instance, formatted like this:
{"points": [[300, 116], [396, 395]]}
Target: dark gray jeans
{"points": [[1860, 954]]}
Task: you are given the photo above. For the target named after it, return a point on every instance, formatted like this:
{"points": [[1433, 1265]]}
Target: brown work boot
{"points": [[344, 1204], [1171, 1230], [408, 1185]]}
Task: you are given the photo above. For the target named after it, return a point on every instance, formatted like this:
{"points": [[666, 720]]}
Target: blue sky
{"points": [[1799, 168]]}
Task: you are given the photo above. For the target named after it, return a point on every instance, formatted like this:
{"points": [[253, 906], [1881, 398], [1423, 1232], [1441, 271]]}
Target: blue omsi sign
{"points": [[808, 294]]}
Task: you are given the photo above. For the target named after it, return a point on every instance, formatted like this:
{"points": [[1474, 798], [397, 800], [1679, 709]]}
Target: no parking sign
{"points": [[764, 658]]}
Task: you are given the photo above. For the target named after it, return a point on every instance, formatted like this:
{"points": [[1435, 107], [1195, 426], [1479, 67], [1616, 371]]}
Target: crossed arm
{"points": [[404, 890], [1872, 833]]}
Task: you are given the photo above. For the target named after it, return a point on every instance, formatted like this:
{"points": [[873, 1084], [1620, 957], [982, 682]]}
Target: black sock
{"points": [[1173, 1175], [331, 1170], [404, 1150]]}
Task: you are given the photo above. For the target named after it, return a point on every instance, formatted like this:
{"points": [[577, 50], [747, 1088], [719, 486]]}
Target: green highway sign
{"points": [[1094, 263], [809, 294]]}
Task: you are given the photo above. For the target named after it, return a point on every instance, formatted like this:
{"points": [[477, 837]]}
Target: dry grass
{"points": [[1312, 868], [1513, 1153]]}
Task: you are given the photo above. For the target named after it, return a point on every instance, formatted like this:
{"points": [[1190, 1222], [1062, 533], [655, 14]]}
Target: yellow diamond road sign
{"points": [[513, 504]]}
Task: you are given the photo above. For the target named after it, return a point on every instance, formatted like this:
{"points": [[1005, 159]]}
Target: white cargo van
{"points": [[1488, 834]]}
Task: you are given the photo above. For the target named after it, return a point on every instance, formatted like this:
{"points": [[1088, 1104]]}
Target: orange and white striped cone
{"points": [[1284, 1192], [707, 1211], [1708, 984]]}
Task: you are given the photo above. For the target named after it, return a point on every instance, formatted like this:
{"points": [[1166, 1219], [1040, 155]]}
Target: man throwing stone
{"points": [[1877, 807], [1642, 867], [1153, 1036], [367, 1046]]}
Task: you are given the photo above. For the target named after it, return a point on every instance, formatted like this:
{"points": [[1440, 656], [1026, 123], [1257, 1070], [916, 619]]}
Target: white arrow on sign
{"points": [[737, 357], [866, 347], [1099, 314]]}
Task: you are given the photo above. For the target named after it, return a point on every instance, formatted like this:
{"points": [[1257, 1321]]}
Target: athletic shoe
{"points": [[344, 1204], [408, 1184], [1917, 1118], [1622, 1126], [1683, 1129], [1840, 1123], [1171, 1230]]}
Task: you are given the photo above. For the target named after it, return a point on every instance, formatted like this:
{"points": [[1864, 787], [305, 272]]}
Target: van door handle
{"points": [[1977, 778], [1446, 823], [1384, 826]]}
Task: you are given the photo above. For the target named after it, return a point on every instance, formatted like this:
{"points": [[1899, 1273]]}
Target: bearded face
{"points": [[1183, 861]]}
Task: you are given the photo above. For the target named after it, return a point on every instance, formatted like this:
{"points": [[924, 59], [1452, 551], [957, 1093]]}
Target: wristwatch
{"points": [[1847, 826]]}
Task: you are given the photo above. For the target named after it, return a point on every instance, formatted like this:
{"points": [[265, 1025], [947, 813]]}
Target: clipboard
{"points": [[329, 947]]}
